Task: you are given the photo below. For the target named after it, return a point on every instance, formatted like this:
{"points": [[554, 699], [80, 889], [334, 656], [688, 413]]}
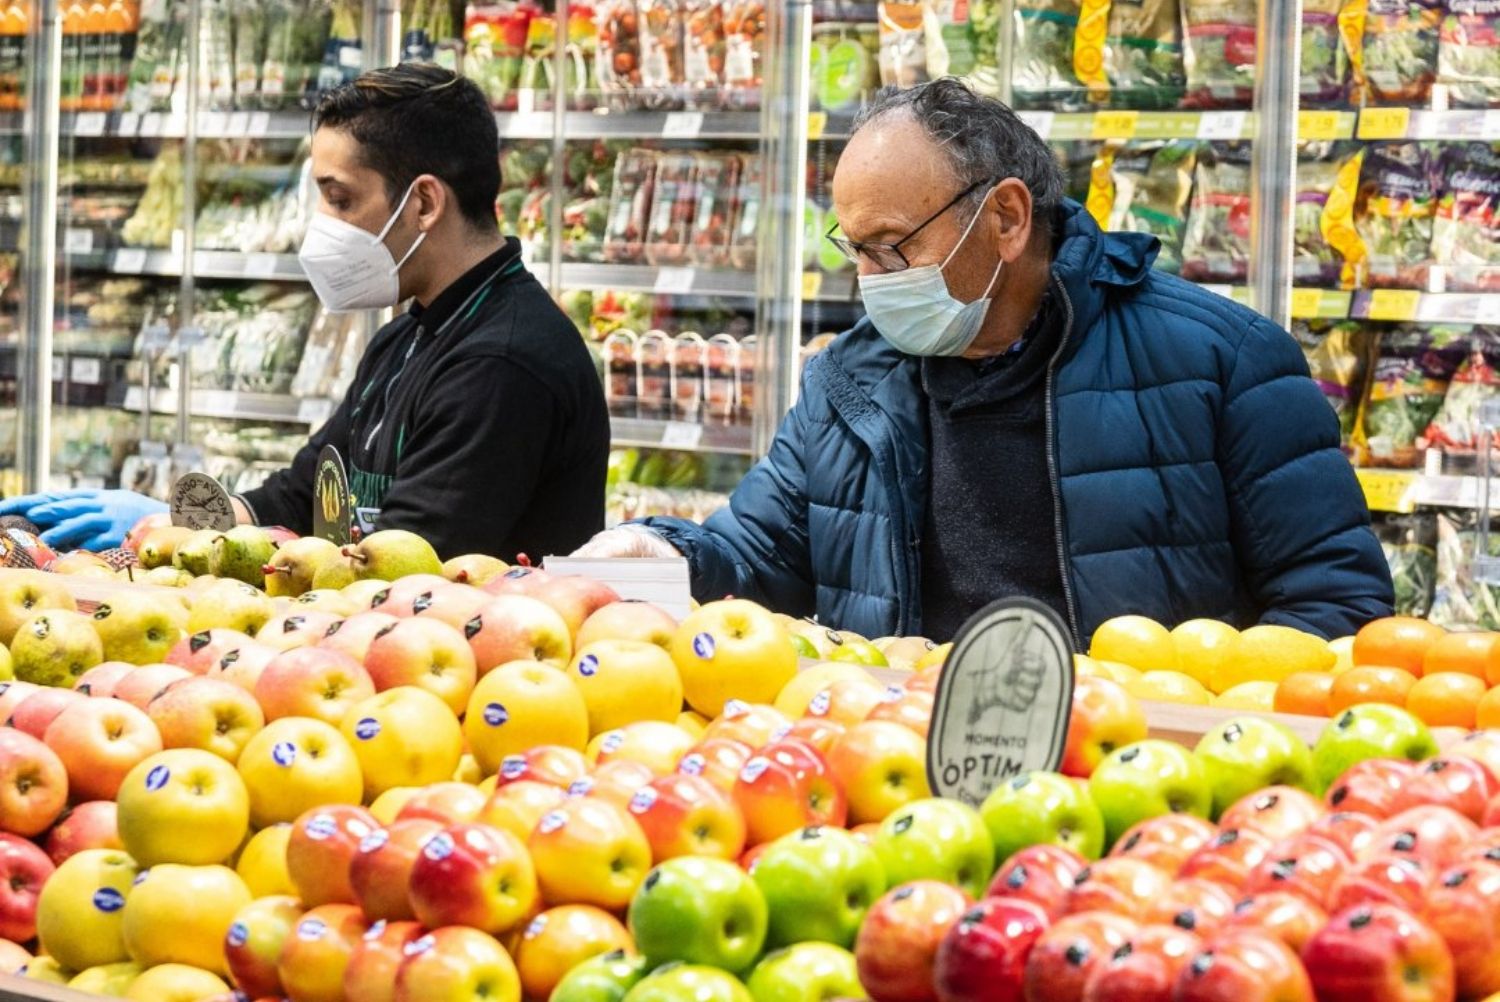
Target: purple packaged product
{"points": [[1394, 212]]}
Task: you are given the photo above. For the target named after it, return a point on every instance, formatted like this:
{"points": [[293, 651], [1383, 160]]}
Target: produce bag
{"points": [[1410, 546], [619, 62], [630, 206], [1324, 243], [1407, 384], [903, 43], [1219, 52], [674, 206], [950, 45], [249, 51], [661, 53], [703, 51], [1324, 71], [158, 50], [1459, 602], [1337, 355], [985, 25], [1466, 227], [745, 45], [495, 47], [1400, 50], [1469, 53], [1457, 426], [1216, 247], [743, 244], [1148, 185], [1395, 212], [1144, 53], [713, 226], [845, 64], [1044, 76]]}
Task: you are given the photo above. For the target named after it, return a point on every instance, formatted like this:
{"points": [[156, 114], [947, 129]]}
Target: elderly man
{"points": [[1029, 409]]}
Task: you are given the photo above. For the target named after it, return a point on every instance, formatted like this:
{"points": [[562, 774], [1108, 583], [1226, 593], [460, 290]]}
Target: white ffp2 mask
{"points": [[351, 268]]}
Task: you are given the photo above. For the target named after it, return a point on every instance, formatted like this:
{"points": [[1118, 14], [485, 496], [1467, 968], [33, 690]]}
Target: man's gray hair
{"points": [[981, 137]]}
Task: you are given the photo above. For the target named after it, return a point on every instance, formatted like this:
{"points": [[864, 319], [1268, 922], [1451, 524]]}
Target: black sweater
{"points": [[478, 423]]}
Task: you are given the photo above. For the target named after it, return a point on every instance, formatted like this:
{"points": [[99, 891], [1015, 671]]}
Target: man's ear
{"points": [[433, 199], [1010, 201]]}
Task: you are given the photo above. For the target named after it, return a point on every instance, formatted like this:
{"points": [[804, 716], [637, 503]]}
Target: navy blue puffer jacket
{"points": [[1195, 470]]}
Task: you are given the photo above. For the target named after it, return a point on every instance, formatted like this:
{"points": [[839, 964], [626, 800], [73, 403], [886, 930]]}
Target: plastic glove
{"points": [[626, 541], [90, 520]]}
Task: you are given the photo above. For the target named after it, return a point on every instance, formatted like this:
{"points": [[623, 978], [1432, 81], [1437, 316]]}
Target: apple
{"points": [[717, 760], [1304, 864], [455, 964], [520, 580], [35, 712], [1043, 807], [700, 911], [230, 605], [1245, 754], [689, 981], [262, 862], [605, 978], [818, 884], [427, 653], [99, 680], [113, 980], [474, 568], [787, 785], [136, 627], [589, 851], [312, 682], [371, 973], [404, 736], [1230, 857], [1463, 907], [1144, 969], [520, 705], [90, 825], [1166, 841], [553, 764], [22, 596], [937, 839], [452, 604], [1247, 966], [911, 708], [24, 872], [33, 784], [752, 724], [1145, 779], [354, 635], [805, 972], [560, 939], [1193, 904], [13, 957], [1369, 730], [1041, 874], [628, 619], [1351, 830], [1463, 784], [55, 647], [793, 699], [181, 915], [575, 598], [207, 713], [688, 816], [295, 764], [1278, 811], [1392, 880], [362, 593], [1289, 917], [1481, 745], [243, 665], [327, 600], [624, 681], [200, 652], [1117, 884], [517, 807], [99, 741], [315, 957], [1375, 953], [896, 949], [1434, 835], [147, 682], [183, 805], [11, 695], [254, 942], [322, 844], [1066, 955], [1370, 786], [732, 649], [450, 802], [984, 955], [657, 745], [380, 872], [881, 766], [406, 596], [297, 627], [473, 875], [176, 983], [518, 628]]}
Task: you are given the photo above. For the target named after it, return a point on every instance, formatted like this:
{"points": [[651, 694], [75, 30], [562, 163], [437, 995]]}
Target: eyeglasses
{"points": [[889, 256]]}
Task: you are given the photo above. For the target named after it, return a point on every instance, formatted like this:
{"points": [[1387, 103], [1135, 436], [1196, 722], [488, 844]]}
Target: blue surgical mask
{"points": [[916, 313]]}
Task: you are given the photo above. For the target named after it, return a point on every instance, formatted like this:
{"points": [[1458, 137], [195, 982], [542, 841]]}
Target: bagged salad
{"points": [[1407, 384], [1144, 53], [1457, 425], [1410, 546], [1469, 53], [1325, 64], [1338, 355], [1459, 602], [1219, 52], [1466, 229], [1147, 185], [1216, 246], [1324, 244], [903, 43], [1399, 50], [1043, 74], [1395, 212]]}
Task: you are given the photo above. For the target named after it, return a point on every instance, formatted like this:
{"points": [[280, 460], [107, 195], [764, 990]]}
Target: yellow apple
{"points": [[176, 983], [591, 852], [24, 595], [79, 915], [48, 971], [468, 770], [693, 722], [262, 863], [623, 681], [520, 705], [404, 736], [295, 764], [111, 980], [207, 713], [181, 914], [386, 806], [183, 805], [793, 698], [652, 743], [427, 653], [732, 649]]}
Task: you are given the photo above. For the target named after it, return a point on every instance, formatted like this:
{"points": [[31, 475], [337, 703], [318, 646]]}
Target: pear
{"points": [[392, 554], [82, 563], [195, 553], [334, 575], [230, 605], [159, 545], [55, 647], [7, 666], [24, 595], [242, 554], [165, 577], [138, 628], [291, 569], [474, 568]]}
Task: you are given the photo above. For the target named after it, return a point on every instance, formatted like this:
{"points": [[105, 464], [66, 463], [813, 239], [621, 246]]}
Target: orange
{"points": [[1446, 699], [1487, 713], [1305, 692], [1469, 653], [1370, 684], [1396, 642]]}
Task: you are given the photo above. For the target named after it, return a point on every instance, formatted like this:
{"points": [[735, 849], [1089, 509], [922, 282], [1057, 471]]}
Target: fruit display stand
{"points": [[14, 989]]}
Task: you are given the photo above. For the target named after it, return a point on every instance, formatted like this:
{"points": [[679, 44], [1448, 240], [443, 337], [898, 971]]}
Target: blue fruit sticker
{"points": [[753, 769], [692, 764], [588, 666], [580, 787], [643, 799], [367, 728], [310, 929], [551, 822], [157, 777], [893, 694], [512, 766], [321, 826], [612, 742], [374, 840], [107, 899], [496, 714], [374, 932], [781, 732], [284, 753], [535, 926], [140, 878], [421, 945], [239, 934], [703, 646], [735, 708], [439, 847], [818, 706]]}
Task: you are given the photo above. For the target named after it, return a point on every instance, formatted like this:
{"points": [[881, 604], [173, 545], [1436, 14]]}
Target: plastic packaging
{"points": [[1394, 217], [1466, 227], [1216, 247], [630, 206]]}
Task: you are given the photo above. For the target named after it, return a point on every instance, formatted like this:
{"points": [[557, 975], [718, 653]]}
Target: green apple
{"points": [[688, 983], [1369, 730], [137, 627], [110, 980], [1250, 753], [605, 978], [859, 652], [79, 915], [806, 972], [699, 910], [1145, 780], [818, 883], [936, 839], [23, 596], [242, 554], [1043, 807]]}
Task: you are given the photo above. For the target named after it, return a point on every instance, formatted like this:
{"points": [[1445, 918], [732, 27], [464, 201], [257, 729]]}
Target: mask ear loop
{"points": [[995, 276], [386, 229]]}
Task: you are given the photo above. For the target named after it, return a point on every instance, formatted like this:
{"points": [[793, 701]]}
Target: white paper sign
{"points": [[89, 123], [682, 124], [86, 370], [660, 581], [130, 260], [681, 435], [1041, 122], [261, 265], [77, 241], [1226, 125], [674, 281]]}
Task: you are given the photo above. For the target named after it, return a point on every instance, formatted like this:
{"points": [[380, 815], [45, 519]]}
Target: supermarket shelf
{"points": [[633, 125], [647, 278], [164, 125], [1403, 491], [235, 405], [1074, 126], [1426, 307], [1420, 123], [684, 435]]}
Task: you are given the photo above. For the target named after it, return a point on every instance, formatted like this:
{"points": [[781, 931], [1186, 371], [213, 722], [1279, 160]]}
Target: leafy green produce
{"points": [[1469, 53], [1151, 182], [1144, 55], [1337, 356], [1220, 52], [1324, 70], [1320, 167], [1216, 246], [1397, 204], [1410, 546], [1400, 50], [1459, 601], [1043, 75], [1407, 384], [1466, 230]]}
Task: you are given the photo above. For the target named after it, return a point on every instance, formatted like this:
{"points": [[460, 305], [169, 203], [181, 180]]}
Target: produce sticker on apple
{"points": [[1001, 707]]}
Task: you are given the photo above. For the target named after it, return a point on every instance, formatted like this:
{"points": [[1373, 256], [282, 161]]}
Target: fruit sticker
{"points": [[551, 822], [311, 929], [735, 708], [321, 827], [367, 728], [439, 847], [643, 799], [703, 646], [692, 764], [239, 934], [512, 766], [375, 840], [495, 714], [157, 778], [375, 931], [612, 742], [588, 666], [754, 768], [1002, 702], [581, 787], [819, 704], [421, 945], [535, 926], [284, 753], [107, 899]]}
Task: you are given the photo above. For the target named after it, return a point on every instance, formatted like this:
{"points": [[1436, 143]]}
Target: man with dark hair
{"points": [[477, 418], [1029, 409]]}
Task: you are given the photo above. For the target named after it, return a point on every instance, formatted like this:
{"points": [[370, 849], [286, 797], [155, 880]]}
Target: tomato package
{"points": [[745, 44], [1399, 50], [689, 356], [1394, 216], [1220, 52], [620, 350], [629, 206], [1216, 245], [618, 66], [1466, 229], [722, 379], [703, 51], [713, 226], [1469, 53], [674, 206], [654, 384], [661, 53]]}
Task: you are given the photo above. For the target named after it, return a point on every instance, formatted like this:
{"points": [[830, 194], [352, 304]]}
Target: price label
{"points": [[812, 284], [130, 260], [1041, 122], [674, 281], [214, 123], [682, 125], [1223, 125], [57, 368], [259, 124], [130, 124], [239, 124], [681, 435], [86, 370], [1492, 124], [817, 123], [151, 124], [1305, 302], [1388, 490], [261, 265], [89, 123], [1115, 124], [77, 240], [1384, 123], [1394, 304], [1318, 125]]}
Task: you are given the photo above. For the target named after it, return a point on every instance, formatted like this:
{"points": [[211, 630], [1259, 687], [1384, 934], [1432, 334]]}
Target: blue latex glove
{"points": [[83, 519]]}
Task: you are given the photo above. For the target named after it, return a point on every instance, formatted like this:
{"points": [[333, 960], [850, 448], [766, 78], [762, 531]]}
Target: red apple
{"points": [[983, 956], [402, 596], [296, 628], [354, 635], [427, 653], [1289, 917], [785, 786], [1463, 907], [518, 628], [100, 680], [897, 945], [323, 843], [244, 664], [473, 875], [315, 956], [555, 764], [617, 782], [1464, 784], [517, 581], [147, 682], [453, 604], [1350, 829], [911, 708], [312, 682], [456, 963], [34, 714], [1370, 787], [207, 713], [381, 870], [1061, 962], [450, 803], [90, 825], [1042, 874], [688, 816], [33, 784], [1391, 880], [820, 732], [1278, 811], [1378, 953], [99, 741], [1165, 841], [628, 619], [719, 761], [1194, 904], [1120, 884], [517, 807], [23, 870], [371, 974], [1146, 968], [200, 652], [1434, 835], [1244, 965], [255, 940], [751, 724], [1304, 864], [11, 695], [1483, 746], [1229, 858], [1103, 717], [575, 598]]}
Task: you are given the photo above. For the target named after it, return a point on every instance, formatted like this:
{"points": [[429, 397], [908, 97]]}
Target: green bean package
{"points": [[1394, 216], [1469, 53], [1216, 247], [1466, 230]]}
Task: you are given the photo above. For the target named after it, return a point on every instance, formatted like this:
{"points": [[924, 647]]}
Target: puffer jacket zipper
{"points": [[1060, 530]]}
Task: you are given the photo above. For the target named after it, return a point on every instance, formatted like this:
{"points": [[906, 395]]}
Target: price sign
{"points": [[812, 284], [214, 123], [130, 124], [817, 122], [314, 410], [1394, 304], [682, 125], [86, 370], [1115, 124], [77, 240], [1305, 302], [1002, 702], [674, 281], [239, 124], [681, 435], [1384, 123], [331, 507], [1318, 125], [1041, 122], [201, 502], [259, 124], [89, 123], [261, 265], [1388, 490], [130, 260], [1223, 125], [151, 124]]}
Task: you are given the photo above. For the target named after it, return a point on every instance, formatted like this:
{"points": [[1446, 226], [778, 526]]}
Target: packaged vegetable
{"points": [[1394, 216], [674, 206], [619, 63], [1410, 546], [1469, 53], [689, 358], [1044, 76], [1457, 426], [1338, 354], [742, 246], [249, 51], [713, 226], [1145, 55], [745, 43], [159, 42], [1216, 246], [1460, 601], [630, 206], [1400, 49], [620, 353], [583, 223], [654, 384], [703, 51], [495, 47], [1148, 185], [845, 64], [950, 46], [1220, 52], [903, 43], [1410, 377], [985, 25], [1323, 240], [342, 58], [661, 52], [1466, 229], [216, 48], [1324, 71]]}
